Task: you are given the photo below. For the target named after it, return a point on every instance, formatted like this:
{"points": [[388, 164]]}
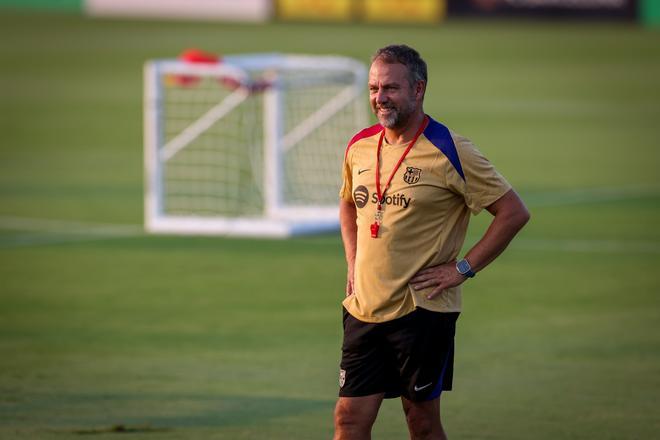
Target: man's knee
{"points": [[421, 426], [354, 417], [344, 417], [423, 420]]}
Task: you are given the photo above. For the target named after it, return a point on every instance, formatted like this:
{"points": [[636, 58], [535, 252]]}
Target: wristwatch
{"points": [[464, 268]]}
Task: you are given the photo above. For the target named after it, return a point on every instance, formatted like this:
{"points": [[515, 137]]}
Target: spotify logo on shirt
{"points": [[361, 195]]}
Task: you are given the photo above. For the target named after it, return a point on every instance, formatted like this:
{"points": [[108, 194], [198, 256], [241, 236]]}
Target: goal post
{"points": [[251, 145]]}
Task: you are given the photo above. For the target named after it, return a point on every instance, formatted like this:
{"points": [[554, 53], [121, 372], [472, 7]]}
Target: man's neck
{"points": [[401, 135]]}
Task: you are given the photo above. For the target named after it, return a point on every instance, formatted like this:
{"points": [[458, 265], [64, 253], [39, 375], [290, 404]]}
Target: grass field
{"points": [[103, 328]]}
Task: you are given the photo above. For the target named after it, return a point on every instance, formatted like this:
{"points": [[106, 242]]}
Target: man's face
{"points": [[391, 96]]}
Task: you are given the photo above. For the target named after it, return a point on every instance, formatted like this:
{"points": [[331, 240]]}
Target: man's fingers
{"points": [[423, 284], [435, 292], [419, 277], [437, 281], [433, 270], [439, 277]]}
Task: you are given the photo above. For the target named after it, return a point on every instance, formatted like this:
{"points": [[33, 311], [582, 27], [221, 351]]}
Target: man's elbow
{"points": [[514, 213], [521, 217], [511, 210]]}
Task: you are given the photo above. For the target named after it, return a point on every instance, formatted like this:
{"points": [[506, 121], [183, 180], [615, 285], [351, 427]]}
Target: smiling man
{"points": [[409, 187]]}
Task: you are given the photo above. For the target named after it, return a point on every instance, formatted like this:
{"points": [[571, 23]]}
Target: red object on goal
{"points": [[231, 83], [194, 56], [199, 56]]}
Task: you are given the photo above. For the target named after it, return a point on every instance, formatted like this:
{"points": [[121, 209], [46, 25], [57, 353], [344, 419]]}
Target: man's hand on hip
{"points": [[439, 277], [349, 281]]}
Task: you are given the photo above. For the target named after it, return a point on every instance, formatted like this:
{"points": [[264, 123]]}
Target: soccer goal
{"points": [[249, 145]]}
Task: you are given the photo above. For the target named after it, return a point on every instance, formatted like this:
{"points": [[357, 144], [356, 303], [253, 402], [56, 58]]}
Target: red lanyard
{"points": [[381, 195]]}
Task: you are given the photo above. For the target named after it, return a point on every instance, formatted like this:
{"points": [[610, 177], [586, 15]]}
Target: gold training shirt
{"points": [[426, 211]]}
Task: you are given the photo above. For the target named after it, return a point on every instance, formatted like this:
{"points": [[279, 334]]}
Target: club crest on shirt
{"points": [[342, 378], [412, 175]]}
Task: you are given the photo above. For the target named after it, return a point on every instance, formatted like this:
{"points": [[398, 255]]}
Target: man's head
{"points": [[397, 82]]}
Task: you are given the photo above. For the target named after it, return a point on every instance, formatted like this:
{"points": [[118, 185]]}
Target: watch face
{"points": [[463, 266]]}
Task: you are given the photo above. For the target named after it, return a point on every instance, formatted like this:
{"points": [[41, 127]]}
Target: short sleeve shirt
{"points": [[426, 210]]}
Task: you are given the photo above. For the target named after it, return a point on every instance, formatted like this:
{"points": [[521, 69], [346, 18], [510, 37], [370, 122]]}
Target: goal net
{"points": [[251, 145]]}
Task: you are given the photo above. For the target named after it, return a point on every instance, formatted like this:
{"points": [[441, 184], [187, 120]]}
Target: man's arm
{"points": [[347, 218], [510, 215]]}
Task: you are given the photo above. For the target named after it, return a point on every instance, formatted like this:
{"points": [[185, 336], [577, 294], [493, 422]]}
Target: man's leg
{"points": [[354, 416], [424, 419]]}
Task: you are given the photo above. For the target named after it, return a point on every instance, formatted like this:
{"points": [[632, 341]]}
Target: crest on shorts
{"points": [[342, 378], [412, 175]]}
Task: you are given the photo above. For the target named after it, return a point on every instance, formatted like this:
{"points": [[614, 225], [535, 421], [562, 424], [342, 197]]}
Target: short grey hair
{"points": [[406, 55]]}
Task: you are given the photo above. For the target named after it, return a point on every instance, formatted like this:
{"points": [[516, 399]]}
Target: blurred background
{"points": [[106, 329]]}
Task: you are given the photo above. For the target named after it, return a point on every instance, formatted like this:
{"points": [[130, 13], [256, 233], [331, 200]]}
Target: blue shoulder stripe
{"points": [[439, 136]]}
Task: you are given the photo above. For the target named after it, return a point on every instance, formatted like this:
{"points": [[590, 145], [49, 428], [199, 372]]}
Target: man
{"points": [[409, 188]]}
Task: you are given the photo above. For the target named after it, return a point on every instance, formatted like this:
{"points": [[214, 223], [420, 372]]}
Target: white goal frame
{"points": [[278, 219]]}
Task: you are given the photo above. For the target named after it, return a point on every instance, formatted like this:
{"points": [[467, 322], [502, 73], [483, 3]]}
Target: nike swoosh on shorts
{"points": [[416, 388]]}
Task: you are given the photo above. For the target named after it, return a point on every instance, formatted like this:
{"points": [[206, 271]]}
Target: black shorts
{"points": [[412, 356]]}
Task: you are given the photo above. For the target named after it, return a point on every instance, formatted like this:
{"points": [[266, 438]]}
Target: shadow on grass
{"points": [[120, 429], [163, 414]]}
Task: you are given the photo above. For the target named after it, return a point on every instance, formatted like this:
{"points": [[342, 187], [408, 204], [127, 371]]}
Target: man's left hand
{"points": [[439, 277]]}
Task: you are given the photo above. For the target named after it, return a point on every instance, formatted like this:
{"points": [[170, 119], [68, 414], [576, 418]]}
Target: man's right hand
{"points": [[347, 220], [349, 282]]}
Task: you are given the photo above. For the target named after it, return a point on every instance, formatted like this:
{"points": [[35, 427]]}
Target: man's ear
{"points": [[420, 88]]}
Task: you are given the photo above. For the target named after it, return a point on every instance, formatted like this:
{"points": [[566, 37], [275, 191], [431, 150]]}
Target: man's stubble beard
{"points": [[398, 118]]}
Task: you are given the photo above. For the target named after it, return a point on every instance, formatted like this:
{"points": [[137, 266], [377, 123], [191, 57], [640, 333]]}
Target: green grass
{"points": [[180, 338]]}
